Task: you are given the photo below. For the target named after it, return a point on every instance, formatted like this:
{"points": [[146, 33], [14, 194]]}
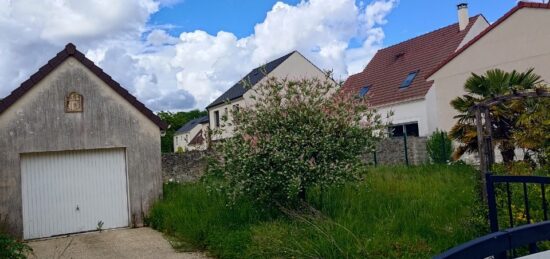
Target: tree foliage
{"points": [[176, 120], [505, 116], [439, 147], [295, 135]]}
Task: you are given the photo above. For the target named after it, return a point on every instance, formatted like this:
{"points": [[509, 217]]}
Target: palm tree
{"points": [[504, 115]]}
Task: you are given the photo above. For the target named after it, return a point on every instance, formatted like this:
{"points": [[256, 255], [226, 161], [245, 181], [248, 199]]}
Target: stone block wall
{"points": [[184, 167], [391, 151]]}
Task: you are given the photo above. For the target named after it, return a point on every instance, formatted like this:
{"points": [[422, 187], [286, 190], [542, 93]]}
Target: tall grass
{"points": [[395, 212]]}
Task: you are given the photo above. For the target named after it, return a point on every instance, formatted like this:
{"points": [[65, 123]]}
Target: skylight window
{"points": [[408, 81], [363, 91]]}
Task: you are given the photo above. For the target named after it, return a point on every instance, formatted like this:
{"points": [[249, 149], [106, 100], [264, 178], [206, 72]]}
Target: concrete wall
{"points": [[295, 67], [391, 151], [184, 167], [38, 123], [520, 42], [182, 139]]}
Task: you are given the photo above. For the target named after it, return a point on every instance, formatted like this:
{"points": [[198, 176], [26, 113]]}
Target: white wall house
{"points": [[395, 79], [192, 136], [518, 41], [293, 66]]}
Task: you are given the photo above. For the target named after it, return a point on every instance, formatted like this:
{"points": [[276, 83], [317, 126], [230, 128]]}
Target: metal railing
{"points": [[501, 243]]}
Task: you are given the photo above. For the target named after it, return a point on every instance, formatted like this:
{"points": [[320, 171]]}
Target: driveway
{"points": [[119, 243]]}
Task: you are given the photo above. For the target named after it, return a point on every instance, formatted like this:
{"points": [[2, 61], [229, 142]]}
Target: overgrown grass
{"points": [[394, 212]]}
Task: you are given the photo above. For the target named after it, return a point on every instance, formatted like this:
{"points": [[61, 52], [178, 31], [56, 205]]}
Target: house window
{"points": [[217, 118], [411, 129], [363, 91], [408, 81]]}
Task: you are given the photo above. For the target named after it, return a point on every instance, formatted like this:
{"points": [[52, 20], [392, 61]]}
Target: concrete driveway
{"points": [[119, 243]]}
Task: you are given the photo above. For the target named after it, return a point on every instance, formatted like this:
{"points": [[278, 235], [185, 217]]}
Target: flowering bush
{"points": [[292, 136]]}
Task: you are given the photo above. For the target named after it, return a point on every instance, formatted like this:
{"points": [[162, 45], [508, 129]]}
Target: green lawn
{"points": [[398, 212]]}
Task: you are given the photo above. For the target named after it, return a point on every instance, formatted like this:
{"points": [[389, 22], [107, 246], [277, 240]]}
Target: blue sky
{"points": [[171, 55], [409, 19]]}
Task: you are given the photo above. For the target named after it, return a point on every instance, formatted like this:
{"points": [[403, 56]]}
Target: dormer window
{"points": [[363, 91], [408, 81], [398, 56]]}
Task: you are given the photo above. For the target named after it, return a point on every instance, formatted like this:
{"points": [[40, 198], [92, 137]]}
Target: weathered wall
{"points": [[391, 151], [184, 167], [38, 123]]}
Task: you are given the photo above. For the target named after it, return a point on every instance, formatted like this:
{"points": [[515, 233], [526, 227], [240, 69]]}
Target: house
{"points": [[77, 152], [192, 136], [395, 78], [519, 40], [293, 66]]}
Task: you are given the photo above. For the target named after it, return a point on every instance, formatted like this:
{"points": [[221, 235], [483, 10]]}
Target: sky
{"points": [[182, 54]]}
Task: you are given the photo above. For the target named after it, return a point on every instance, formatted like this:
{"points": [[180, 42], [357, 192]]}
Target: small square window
{"points": [[364, 91], [408, 81]]}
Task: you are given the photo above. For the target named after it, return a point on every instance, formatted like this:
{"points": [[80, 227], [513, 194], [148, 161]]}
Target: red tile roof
{"points": [[71, 51], [390, 66], [197, 139], [487, 30]]}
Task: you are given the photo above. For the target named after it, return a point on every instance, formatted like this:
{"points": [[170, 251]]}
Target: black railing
{"points": [[499, 243], [491, 180]]}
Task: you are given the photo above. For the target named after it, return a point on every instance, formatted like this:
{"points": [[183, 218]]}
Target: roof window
{"points": [[408, 81], [364, 90]]}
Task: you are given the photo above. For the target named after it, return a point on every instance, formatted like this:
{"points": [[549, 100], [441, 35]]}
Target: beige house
{"points": [[192, 136], [395, 79], [518, 41], [293, 66]]}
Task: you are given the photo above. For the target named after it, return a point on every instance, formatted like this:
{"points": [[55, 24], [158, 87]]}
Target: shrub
{"points": [[440, 147], [179, 150], [11, 248], [297, 135]]}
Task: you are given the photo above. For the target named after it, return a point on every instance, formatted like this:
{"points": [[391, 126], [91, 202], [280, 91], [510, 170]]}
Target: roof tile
{"points": [[390, 66]]}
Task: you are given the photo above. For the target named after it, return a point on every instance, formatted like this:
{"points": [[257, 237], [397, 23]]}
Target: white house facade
{"points": [[293, 66], [395, 79], [192, 136]]}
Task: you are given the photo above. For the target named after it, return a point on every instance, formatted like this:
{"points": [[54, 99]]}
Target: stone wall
{"points": [[184, 167], [391, 151]]}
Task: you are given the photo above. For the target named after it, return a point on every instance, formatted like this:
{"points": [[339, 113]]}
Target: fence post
{"points": [[405, 144], [491, 202], [375, 158]]}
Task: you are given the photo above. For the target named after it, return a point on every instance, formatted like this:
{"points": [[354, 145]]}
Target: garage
{"points": [[78, 152], [76, 191]]}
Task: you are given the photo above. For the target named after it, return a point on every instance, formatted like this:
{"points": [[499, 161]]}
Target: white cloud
{"points": [[189, 71]]}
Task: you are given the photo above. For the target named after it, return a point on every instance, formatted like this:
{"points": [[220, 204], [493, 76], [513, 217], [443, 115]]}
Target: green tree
{"points": [[176, 120], [439, 147], [504, 116], [295, 137], [533, 130]]}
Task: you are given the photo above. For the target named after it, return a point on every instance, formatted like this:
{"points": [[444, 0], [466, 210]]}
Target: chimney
{"points": [[463, 17]]}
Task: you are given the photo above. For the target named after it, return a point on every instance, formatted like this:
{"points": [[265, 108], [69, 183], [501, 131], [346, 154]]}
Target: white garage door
{"points": [[73, 191]]}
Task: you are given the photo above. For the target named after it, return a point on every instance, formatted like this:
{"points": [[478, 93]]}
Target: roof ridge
{"points": [[500, 20], [253, 72], [70, 50], [433, 31]]}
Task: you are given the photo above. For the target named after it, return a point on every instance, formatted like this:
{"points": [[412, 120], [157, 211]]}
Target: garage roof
{"points": [[71, 51]]}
